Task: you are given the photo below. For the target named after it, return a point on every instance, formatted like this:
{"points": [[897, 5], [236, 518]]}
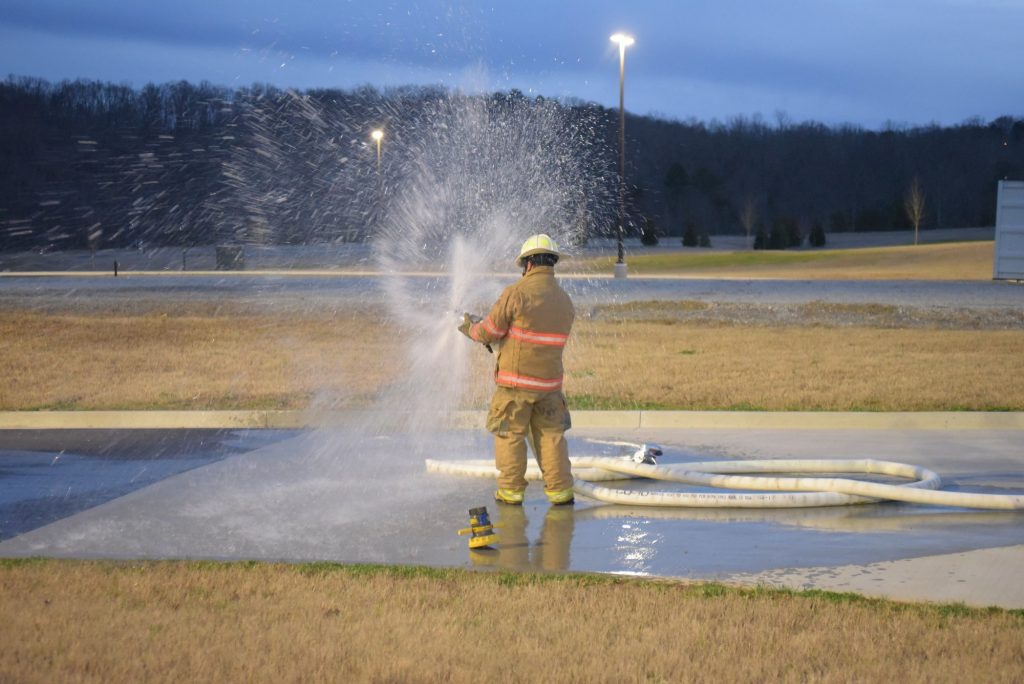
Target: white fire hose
{"points": [[771, 491]]}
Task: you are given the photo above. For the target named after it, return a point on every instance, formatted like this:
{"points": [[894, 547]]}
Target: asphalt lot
{"points": [[297, 292], [356, 255]]}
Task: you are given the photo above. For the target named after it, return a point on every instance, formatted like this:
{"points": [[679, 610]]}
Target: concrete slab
{"points": [[347, 495], [47, 475], [986, 577]]}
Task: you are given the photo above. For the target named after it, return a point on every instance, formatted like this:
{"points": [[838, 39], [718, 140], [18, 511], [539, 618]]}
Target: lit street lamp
{"points": [[377, 136], [623, 42]]}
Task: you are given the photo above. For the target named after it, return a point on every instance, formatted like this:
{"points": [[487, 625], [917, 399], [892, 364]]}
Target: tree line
{"points": [[86, 164]]}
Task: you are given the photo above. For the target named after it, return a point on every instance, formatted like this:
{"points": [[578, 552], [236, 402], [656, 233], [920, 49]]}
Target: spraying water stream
{"points": [[479, 175]]}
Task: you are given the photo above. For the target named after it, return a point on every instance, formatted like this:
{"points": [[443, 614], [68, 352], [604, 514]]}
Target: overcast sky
{"points": [[866, 62]]}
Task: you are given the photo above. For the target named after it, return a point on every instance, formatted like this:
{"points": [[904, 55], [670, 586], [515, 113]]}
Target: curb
{"points": [[150, 420], [623, 420]]}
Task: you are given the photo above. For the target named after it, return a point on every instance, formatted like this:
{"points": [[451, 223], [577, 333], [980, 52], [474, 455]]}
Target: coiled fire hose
{"points": [[771, 490]]}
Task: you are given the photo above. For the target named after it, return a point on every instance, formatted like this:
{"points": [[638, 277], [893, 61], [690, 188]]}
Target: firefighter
{"points": [[531, 319]]}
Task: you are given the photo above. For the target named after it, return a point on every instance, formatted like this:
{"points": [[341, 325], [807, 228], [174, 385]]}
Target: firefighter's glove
{"points": [[466, 324]]}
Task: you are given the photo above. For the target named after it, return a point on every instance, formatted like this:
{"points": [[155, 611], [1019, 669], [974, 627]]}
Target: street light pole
{"points": [[377, 135], [378, 209], [623, 42]]}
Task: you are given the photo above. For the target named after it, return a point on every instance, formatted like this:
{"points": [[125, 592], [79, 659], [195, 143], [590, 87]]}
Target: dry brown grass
{"points": [[162, 361], [179, 621], [697, 366], [950, 261], [624, 359]]}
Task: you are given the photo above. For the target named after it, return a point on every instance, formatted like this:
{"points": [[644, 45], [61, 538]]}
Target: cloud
{"points": [[921, 60], [420, 33]]}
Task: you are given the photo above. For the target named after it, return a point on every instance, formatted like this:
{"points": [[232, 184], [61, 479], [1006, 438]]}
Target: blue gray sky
{"points": [[865, 62]]}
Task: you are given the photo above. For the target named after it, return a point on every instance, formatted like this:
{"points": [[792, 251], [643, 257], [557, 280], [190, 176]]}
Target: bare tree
{"points": [[913, 204], [93, 236], [748, 214]]}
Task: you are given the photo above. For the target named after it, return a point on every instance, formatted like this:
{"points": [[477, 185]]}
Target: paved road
{"points": [[330, 291], [342, 495], [351, 254]]}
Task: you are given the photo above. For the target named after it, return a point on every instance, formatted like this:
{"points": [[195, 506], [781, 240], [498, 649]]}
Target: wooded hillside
{"points": [[89, 164]]}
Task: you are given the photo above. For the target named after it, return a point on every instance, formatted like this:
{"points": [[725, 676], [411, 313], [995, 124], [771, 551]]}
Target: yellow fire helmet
{"points": [[537, 244]]}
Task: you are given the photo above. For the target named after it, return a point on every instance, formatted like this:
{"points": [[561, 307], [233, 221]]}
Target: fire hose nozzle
{"points": [[468, 320]]}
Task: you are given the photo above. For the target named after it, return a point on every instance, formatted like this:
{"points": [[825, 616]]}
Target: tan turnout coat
{"points": [[531, 319]]}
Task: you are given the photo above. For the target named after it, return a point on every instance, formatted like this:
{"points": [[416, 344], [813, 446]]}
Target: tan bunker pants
{"points": [[517, 415]]}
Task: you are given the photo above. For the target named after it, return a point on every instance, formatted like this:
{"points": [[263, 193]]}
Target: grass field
{"points": [[193, 355], [182, 621], [951, 261], [822, 357]]}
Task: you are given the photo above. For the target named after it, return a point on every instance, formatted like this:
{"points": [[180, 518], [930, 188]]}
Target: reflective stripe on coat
{"points": [[532, 320]]}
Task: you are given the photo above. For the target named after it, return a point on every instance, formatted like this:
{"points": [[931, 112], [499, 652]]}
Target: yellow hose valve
{"points": [[480, 529]]}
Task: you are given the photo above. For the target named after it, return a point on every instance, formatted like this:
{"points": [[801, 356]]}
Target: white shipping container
{"points": [[1009, 253]]}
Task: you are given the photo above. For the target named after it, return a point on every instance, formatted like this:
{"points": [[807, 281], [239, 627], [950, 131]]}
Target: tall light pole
{"points": [[377, 136], [623, 41], [378, 209]]}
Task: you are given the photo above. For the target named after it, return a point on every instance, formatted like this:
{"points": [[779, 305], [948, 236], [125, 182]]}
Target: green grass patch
{"points": [[511, 579], [591, 402], [28, 561], [684, 261], [956, 260]]}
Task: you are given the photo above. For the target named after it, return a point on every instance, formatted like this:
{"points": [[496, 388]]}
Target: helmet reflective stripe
{"points": [[537, 244]]}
